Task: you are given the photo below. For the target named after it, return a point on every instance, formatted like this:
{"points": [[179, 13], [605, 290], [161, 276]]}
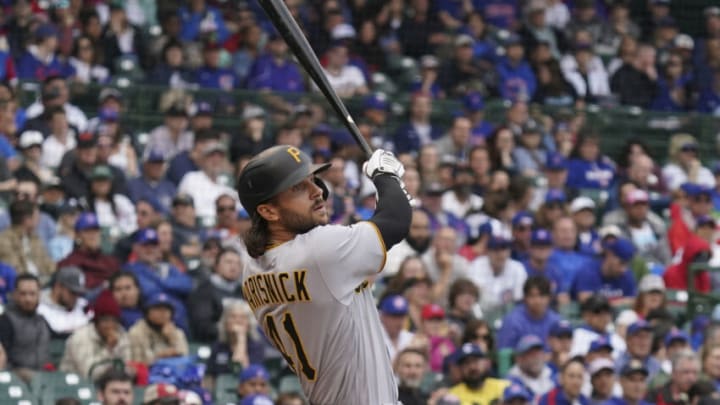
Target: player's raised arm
{"points": [[393, 213]]}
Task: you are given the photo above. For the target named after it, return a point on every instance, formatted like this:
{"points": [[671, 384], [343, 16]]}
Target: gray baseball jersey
{"points": [[311, 297]]}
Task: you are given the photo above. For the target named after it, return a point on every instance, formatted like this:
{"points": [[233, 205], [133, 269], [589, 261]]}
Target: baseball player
{"points": [[308, 283]]}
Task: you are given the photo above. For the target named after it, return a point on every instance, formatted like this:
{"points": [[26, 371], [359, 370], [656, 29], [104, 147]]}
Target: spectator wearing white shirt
{"points": [[393, 316], [114, 211], [347, 80], [173, 136], [460, 200], [499, 278], [55, 93], [61, 139], [596, 314], [63, 305], [204, 185]]}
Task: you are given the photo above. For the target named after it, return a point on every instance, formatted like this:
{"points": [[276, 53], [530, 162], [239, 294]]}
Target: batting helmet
{"points": [[275, 170]]}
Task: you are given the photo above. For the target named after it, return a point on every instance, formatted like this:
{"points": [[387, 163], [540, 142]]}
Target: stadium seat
{"points": [[430, 382], [289, 383], [57, 348], [13, 390], [701, 303], [226, 389], [138, 393], [199, 350], [504, 361], [57, 385]]}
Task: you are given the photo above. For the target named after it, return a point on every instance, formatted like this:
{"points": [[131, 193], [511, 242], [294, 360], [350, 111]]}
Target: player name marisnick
{"points": [[276, 288]]}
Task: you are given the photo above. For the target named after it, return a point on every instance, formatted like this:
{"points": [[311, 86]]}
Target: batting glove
{"points": [[381, 162]]}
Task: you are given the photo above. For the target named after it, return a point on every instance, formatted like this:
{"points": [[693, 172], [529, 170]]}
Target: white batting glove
{"points": [[381, 162]]}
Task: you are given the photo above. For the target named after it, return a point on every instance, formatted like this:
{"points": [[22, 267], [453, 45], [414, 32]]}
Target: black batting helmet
{"points": [[275, 170]]}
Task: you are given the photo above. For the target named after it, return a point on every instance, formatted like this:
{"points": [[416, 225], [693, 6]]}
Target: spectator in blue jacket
{"points": [[587, 167], [39, 60], [709, 101], [608, 276], [159, 277], [537, 263], [564, 257], [152, 183], [211, 75], [274, 70], [475, 110], [532, 317], [515, 76], [418, 131], [199, 19]]}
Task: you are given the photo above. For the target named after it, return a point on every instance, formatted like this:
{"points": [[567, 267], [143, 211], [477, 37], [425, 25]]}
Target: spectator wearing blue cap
{"points": [[569, 387], [151, 183], [199, 19], [610, 275], [40, 60], [559, 340], [555, 174], [499, 277], [211, 74], [476, 385], [155, 336], [516, 394], [633, 381], [274, 70], [418, 130], [532, 317], [156, 276], [393, 316], [474, 105], [87, 254], [522, 224], [699, 203], [537, 262], [639, 342], [530, 365], [553, 208], [253, 380], [516, 78]]}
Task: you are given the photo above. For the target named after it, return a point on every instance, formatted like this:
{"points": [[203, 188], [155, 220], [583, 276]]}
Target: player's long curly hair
{"points": [[257, 237]]}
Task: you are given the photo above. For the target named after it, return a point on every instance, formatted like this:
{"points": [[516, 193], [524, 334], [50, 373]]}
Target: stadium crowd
{"points": [[538, 269]]}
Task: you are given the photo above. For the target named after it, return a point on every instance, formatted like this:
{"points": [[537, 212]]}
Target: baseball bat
{"points": [[284, 22]]}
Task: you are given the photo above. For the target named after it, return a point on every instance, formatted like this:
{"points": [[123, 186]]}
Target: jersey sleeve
{"points": [[347, 255]]}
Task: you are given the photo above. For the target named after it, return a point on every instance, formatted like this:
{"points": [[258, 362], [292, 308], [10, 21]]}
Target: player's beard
{"points": [[297, 223]]}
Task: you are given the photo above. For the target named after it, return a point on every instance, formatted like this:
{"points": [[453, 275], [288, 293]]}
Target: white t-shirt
{"points": [[451, 204], [347, 81], [403, 341], [204, 192], [53, 150], [675, 176], [497, 290], [61, 320]]}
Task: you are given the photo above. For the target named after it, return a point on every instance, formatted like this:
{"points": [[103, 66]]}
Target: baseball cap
{"points": [[522, 218], [463, 40], [46, 31], [541, 237], [109, 92], [651, 282], [72, 278], [600, 343], [109, 115], [202, 108], [704, 220], [531, 127], [695, 190], [468, 350], [101, 172], [516, 391], [86, 220], [343, 31], [676, 335], [620, 247], [214, 147], [30, 138], [257, 399], [474, 102], [86, 140], [146, 236], [253, 111], [555, 196], [596, 303], [712, 11], [599, 365], [433, 189], [254, 371], [182, 199], [321, 129], [634, 366], [432, 311], [555, 161], [560, 328], [429, 62], [105, 305], [639, 326], [155, 156], [527, 343], [609, 230], [498, 242], [637, 196], [395, 305], [158, 391], [159, 300], [683, 41], [376, 101], [582, 203]]}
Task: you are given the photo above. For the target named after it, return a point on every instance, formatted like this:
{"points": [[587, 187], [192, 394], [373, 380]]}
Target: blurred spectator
{"points": [[433, 334], [170, 71], [532, 317], [684, 164], [537, 263], [410, 366], [59, 140], [710, 360], [172, 137], [90, 350], [238, 343], [125, 288], [695, 250], [274, 70], [586, 73], [609, 276], [87, 254], [114, 211], [462, 72], [74, 177], [585, 18], [115, 145], [639, 340], [596, 315], [633, 382], [253, 137], [254, 380], [30, 146], [393, 311], [516, 80], [537, 29], [564, 257], [62, 305], [186, 231], [651, 295], [28, 190], [463, 302], [62, 243], [416, 243], [420, 31], [559, 341], [121, 39], [674, 93], [345, 78], [211, 75], [459, 201], [115, 387], [588, 168], [419, 130], [206, 185], [199, 20], [20, 246], [685, 372], [86, 64], [570, 381], [635, 81], [149, 214], [476, 385], [189, 160], [161, 393], [530, 367], [40, 61], [152, 183], [24, 333], [529, 155], [205, 303], [290, 398], [155, 336], [156, 276], [583, 210], [602, 380], [54, 92], [517, 394], [226, 220], [499, 278], [643, 227]]}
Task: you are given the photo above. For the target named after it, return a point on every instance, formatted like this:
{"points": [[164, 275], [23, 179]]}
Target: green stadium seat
{"points": [[289, 383], [430, 382], [138, 393], [504, 361], [58, 385], [225, 389], [56, 348]]}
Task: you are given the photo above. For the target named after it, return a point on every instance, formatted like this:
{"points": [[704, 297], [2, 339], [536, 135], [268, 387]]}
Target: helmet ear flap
{"points": [[318, 181]]}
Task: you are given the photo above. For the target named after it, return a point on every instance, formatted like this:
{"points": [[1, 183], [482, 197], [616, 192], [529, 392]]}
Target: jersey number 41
{"points": [[289, 325]]}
